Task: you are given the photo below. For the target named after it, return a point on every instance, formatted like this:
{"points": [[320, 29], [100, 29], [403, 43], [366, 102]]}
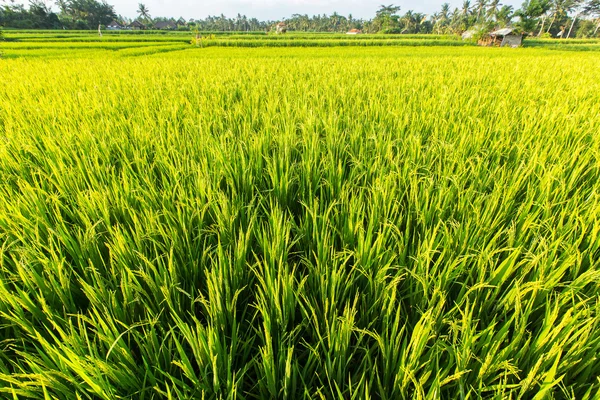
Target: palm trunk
{"points": [[542, 28], [551, 23], [597, 27], [572, 24]]}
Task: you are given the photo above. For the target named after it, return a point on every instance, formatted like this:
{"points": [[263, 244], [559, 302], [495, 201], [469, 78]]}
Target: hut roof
{"points": [[502, 32], [165, 25], [114, 23], [136, 24], [354, 30]]}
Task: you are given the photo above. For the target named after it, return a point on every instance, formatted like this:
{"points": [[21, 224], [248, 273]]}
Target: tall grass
{"points": [[385, 225]]}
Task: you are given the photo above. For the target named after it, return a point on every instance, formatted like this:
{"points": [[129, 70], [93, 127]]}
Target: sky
{"points": [[276, 9]]}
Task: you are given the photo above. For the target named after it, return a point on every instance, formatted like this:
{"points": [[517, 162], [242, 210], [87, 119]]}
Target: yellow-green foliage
{"points": [[385, 223]]}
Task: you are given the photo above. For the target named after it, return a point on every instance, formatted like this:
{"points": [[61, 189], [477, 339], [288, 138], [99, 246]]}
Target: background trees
{"points": [[70, 14], [387, 19], [91, 12], [144, 14], [36, 16], [531, 13], [592, 9], [565, 18]]}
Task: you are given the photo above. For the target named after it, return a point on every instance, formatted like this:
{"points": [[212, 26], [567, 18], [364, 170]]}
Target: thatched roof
{"points": [[165, 25], [503, 32]]}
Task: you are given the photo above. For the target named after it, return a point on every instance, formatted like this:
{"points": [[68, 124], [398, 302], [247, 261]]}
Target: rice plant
{"points": [[386, 223]]}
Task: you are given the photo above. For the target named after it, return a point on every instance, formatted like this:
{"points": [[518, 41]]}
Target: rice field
{"points": [[402, 222], [54, 43]]}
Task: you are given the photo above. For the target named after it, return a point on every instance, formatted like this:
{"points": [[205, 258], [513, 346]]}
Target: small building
{"points": [[281, 28], [165, 25], [354, 32], [136, 25], [506, 37], [114, 26]]}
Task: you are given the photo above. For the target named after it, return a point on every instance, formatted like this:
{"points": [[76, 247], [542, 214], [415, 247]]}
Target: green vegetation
{"points": [[556, 18], [71, 14], [339, 223]]}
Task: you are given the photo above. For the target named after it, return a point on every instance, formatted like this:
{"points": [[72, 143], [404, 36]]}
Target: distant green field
{"points": [[17, 43], [414, 221], [61, 43]]}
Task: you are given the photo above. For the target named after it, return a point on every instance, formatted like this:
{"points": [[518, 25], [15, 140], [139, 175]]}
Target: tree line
{"points": [[556, 18]]}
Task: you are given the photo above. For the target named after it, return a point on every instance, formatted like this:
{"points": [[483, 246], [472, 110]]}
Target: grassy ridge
{"points": [[570, 44], [307, 223]]}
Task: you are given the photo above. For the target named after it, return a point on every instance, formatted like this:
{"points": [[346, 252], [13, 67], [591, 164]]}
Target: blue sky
{"points": [[273, 9]]}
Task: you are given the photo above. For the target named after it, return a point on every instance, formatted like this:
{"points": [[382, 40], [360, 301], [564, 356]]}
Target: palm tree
{"points": [[305, 22], [143, 12], [545, 8], [350, 22], [493, 8], [443, 17], [445, 10], [455, 22], [481, 5], [558, 10], [466, 8], [435, 19], [505, 15], [408, 20], [420, 19], [465, 15], [386, 16], [335, 21], [576, 5]]}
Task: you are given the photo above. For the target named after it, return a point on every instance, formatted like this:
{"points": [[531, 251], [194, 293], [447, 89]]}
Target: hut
{"points": [[503, 37], [114, 26], [281, 28], [136, 25], [165, 25], [354, 32]]}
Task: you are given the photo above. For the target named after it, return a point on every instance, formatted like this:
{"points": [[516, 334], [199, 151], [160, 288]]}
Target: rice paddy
{"points": [[399, 222]]}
